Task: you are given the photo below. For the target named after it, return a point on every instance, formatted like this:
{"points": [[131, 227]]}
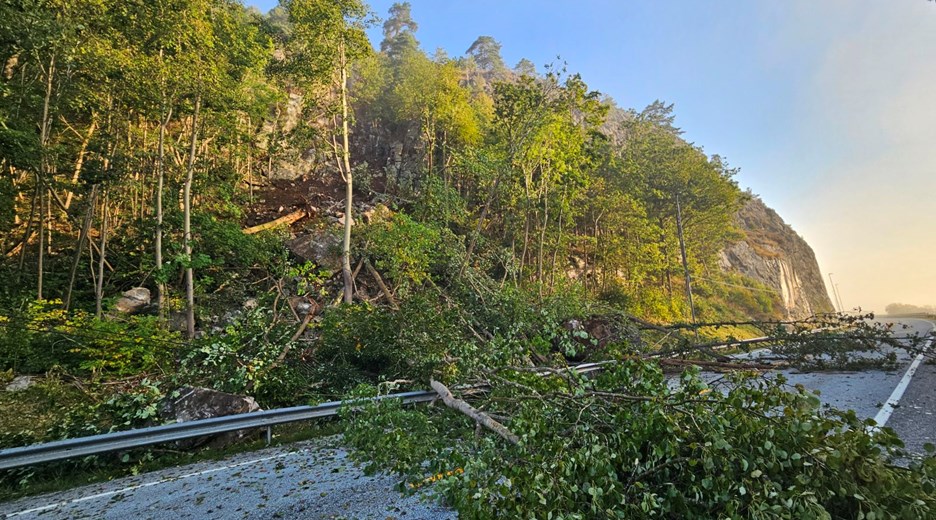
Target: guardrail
{"points": [[124, 440]]}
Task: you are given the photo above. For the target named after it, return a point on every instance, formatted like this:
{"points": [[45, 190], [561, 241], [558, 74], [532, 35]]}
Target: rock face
{"points": [[204, 403], [775, 255]]}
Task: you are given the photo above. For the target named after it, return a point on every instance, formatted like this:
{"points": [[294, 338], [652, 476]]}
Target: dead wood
{"points": [[285, 220], [717, 365], [478, 416], [380, 283]]}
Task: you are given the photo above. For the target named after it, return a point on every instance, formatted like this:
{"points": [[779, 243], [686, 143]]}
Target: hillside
{"points": [[774, 254]]}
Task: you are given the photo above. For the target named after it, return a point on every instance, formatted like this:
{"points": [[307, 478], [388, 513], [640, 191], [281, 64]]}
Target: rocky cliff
{"points": [[775, 255]]}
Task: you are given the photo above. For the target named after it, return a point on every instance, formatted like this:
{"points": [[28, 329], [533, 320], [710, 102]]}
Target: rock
{"points": [[205, 403], [133, 301], [775, 255], [251, 304], [178, 321], [378, 213], [20, 383], [300, 304], [322, 247]]}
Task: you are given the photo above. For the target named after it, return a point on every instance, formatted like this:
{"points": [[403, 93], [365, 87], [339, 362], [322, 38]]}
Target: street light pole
{"points": [[685, 263], [836, 300]]}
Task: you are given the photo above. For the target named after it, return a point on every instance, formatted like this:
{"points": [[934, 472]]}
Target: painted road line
{"points": [[884, 414], [129, 489]]}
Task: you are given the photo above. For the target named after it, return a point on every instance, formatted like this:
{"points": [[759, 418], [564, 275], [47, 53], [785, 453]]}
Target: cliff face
{"points": [[773, 254]]}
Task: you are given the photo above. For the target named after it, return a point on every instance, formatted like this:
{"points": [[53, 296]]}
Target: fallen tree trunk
{"points": [[478, 416], [719, 365], [285, 220]]}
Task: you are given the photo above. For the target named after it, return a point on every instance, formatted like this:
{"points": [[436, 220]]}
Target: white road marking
{"points": [[885, 412], [148, 484]]}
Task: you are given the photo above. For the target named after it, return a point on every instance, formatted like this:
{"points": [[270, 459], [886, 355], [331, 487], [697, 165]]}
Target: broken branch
{"points": [[478, 416]]}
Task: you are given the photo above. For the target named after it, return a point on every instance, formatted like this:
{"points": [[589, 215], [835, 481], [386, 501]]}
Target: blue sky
{"points": [[827, 106]]}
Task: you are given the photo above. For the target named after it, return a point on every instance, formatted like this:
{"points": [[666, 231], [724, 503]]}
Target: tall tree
{"points": [[399, 31], [327, 36]]}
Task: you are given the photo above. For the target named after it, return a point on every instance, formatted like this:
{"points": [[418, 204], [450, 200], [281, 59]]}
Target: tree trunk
{"points": [[160, 181], [41, 259], [43, 170], [99, 287], [349, 184], [79, 162], [187, 225], [82, 236]]}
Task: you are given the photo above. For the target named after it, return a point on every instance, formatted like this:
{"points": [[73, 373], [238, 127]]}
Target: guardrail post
{"points": [[269, 435]]}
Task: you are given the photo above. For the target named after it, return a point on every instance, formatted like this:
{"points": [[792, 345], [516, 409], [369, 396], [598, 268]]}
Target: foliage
{"points": [[243, 358], [626, 444], [43, 335]]}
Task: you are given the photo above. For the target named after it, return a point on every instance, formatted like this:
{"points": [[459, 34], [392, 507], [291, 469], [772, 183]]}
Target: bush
{"points": [[243, 359], [43, 335]]}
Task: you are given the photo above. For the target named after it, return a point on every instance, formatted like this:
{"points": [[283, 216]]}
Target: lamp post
{"points": [[838, 301]]}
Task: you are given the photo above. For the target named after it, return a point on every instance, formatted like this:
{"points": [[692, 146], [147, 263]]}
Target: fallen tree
{"points": [[628, 443]]}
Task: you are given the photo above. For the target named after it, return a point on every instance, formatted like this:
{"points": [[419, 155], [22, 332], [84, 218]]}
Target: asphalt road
{"points": [[316, 480], [309, 480]]}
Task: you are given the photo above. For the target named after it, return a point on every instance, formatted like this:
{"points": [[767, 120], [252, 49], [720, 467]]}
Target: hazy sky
{"points": [[827, 106]]}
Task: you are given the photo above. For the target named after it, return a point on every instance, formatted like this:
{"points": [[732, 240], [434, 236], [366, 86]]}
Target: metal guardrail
{"points": [[116, 441], [129, 439], [140, 437]]}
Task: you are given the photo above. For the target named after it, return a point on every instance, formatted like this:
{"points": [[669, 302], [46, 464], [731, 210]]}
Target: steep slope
{"points": [[775, 255]]}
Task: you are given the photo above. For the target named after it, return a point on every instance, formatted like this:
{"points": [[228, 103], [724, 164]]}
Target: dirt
{"points": [[317, 196]]}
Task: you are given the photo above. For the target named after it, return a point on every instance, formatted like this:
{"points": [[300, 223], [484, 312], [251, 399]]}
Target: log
{"points": [[282, 221], [380, 283], [478, 416]]}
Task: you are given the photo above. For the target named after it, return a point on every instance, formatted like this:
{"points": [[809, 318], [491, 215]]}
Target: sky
{"points": [[828, 107]]}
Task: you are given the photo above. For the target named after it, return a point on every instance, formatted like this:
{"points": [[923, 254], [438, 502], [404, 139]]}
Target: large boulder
{"points": [[133, 301], [20, 383], [193, 403], [320, 246]]}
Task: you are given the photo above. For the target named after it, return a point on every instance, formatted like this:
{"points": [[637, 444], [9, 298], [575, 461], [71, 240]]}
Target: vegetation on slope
{"points": [[533, 222]]}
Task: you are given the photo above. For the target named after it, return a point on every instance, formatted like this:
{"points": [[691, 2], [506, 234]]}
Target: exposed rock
{"points": [[300, 304], [178, 321], [322, 247], [20, 383], [341, 220], [775, 255], [205, 403], [133, 301], [379, 213]]}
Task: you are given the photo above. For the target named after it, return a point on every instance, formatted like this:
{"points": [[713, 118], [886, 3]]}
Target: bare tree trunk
{"points": [[160, 181], [555, 256], [79, 162], [43, 170], [99, 287], [542, 238], [27, 234], [41, 260], [349, 184], [82, 236], [187, 225], [484, 211]]}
